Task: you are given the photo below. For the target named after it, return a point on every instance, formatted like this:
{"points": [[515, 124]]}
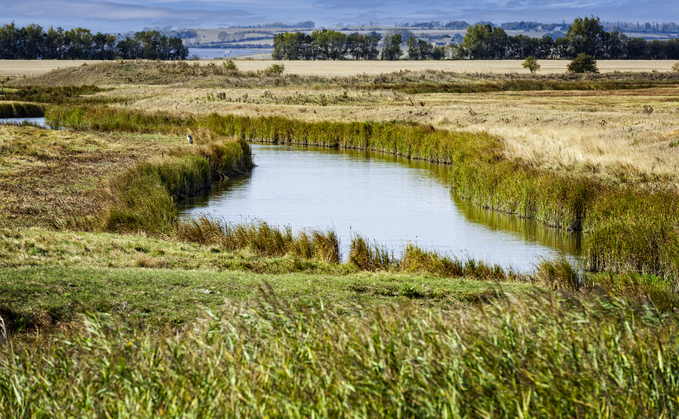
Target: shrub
{"points": [[230, 65], [583, 63], [275, 69], [531, 63], [675, 67]]}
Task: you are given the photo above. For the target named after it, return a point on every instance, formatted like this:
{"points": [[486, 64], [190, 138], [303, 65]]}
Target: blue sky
{"points": [[125, 15]]}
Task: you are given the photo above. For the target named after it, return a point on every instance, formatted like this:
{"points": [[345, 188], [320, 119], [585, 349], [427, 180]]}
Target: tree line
{"points": [[33, 42], [481, 42]]}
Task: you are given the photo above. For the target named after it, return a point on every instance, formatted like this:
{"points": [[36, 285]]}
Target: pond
{"points": [[389, 199]]}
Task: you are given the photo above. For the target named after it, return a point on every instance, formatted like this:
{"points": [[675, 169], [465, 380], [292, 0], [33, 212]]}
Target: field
{"points": [[205, 319], [20, 68]]}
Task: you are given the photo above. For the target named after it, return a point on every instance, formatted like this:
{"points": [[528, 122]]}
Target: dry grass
{"points": [[604, 134], [350, 68], [29, 68], [51, 178]]}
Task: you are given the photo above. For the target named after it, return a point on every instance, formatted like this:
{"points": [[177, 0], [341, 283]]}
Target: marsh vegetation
{"points": [[89, 225]]}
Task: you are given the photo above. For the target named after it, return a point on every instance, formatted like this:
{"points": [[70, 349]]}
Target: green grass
{"points": [[50, 277], [538, 357], [629, 229], [144, 196], [55, 95]]}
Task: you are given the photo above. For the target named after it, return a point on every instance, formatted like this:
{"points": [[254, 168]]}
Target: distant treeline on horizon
{"points": [[481, 42], [32, 42]]}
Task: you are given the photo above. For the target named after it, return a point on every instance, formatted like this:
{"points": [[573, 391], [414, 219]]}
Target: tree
{"points": [[392, 47], [585, 36], [583, 63], [531, 63]]}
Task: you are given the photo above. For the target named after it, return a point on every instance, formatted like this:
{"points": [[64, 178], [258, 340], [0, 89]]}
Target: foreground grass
{"points": [[51, 277], [536, 357]]}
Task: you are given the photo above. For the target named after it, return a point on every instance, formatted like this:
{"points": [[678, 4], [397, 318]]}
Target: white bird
{"points": [[189, 138]]}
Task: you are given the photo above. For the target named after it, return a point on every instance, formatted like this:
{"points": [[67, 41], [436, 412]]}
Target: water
{"points": [[212, 53], [38, 121], [390, 199]]}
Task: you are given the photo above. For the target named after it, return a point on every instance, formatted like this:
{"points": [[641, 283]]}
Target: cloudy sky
{"points": [[126, 15]]}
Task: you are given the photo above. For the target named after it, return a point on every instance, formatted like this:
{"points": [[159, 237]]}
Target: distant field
{"points": [[35, 67], [347, 68]]}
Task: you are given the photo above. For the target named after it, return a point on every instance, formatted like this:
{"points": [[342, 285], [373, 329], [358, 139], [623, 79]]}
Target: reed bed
{"points": [[539, 357], [628, 229], [143, 198], [21, 110], [262, 239]]}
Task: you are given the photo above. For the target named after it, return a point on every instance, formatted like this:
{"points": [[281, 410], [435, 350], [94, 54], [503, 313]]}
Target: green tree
{"points": [[583, 63], [531, 63], [585, 36], [392, 47]]}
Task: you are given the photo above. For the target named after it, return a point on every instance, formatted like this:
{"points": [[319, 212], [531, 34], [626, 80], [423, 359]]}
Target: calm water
{"points": [[386, 198], [38, 121]]}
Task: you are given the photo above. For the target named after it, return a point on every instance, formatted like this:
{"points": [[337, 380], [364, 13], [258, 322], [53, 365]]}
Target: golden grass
{"points": [[350, 68], [612, 135], [52, 178], [28, 68]]}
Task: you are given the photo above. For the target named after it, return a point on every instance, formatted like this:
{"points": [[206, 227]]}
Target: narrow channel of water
{"points": [[389, 199], [37, 121]]}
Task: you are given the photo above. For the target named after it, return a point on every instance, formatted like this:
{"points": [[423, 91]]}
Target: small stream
{"points": [[389, 199], [37, 121]]}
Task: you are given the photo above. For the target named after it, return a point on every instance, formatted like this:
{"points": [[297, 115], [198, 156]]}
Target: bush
{"points": [[675, 67], [275, 69], [230, 65], [583, 63], [531, 63]]}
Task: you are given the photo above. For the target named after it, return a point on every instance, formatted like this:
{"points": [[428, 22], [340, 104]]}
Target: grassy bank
{"points": [[630, 229], [144, 196], [505, 360], [20, 110]]}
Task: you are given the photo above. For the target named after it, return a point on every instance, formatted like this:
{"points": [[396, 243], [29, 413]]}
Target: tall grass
{"points": [[541, 357], [20, 110], [628, 229], [262, 239], [56, 95], [143, 198]]}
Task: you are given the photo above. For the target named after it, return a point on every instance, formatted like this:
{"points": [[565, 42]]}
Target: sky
{"points": [[126, 15]]}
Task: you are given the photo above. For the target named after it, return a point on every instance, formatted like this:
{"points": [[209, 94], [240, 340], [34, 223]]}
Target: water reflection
{"points": [[40, 121], [390, 199]]}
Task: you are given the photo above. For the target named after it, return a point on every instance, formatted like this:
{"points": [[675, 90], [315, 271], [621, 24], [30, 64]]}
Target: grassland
{"points": [[208, 319]]}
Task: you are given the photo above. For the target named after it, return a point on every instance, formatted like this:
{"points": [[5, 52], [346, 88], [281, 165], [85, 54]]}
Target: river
{"points": [[389, 199]]}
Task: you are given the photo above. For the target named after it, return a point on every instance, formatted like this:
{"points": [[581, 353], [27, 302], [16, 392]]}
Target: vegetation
{"points": [[32, 42], [531, 64], [20, 110], [88, 225], [583, 63], [481, 42], [629, 229], [508, 359], [275, 69]]}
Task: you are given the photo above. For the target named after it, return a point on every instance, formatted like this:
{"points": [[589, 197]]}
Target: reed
{"points": [[517, 358], [143, 198], [262, 239], [628, 228], [21, 110]]}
